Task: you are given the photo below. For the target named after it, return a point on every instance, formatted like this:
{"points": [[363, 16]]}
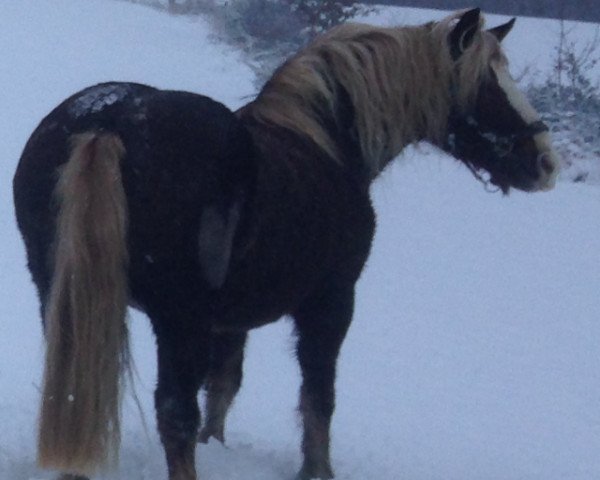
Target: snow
{"points": [[474, 351], [98, 98]]}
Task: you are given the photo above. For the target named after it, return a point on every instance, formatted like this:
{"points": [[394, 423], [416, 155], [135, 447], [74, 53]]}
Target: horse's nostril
{"points": [[546, 163]]}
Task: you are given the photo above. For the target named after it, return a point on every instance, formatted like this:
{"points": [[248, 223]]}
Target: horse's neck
{"points": [[353, 133], [380, 136]]}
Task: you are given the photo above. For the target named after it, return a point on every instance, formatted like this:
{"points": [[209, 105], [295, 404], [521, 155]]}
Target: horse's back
{"points": [[167, 122], [182, 152]]}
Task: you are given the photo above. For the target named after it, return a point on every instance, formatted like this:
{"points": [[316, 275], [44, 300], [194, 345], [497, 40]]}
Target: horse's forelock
{"points": [[474, 68]]}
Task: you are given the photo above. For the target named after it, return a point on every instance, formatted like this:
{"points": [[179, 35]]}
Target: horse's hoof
{"points": [[323, 473], [206, 434], [303, 476]]}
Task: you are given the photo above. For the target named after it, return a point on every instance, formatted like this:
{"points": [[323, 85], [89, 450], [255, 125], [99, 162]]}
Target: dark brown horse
{"points": [[214, 223]]}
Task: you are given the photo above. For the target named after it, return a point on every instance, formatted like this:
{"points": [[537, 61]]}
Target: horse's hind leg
{"points": [[183, 358], [321, 325], [224, 380]]}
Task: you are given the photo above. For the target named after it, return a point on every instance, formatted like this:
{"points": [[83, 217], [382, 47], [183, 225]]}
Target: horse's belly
{"points": [[261, 297], [244, 312]]}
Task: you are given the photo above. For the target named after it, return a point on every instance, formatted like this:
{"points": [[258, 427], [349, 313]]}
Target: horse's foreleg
{"points": [[223, 383], [182, 365], [321, 325]]}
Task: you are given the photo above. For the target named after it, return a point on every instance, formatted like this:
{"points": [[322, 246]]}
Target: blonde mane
{"points": [[401, 82]]}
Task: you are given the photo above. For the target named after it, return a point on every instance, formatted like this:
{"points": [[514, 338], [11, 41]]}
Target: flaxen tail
{"points": [[86, 331]]}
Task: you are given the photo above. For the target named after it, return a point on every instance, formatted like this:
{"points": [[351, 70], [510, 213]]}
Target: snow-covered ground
{"points": [[474, 354]]}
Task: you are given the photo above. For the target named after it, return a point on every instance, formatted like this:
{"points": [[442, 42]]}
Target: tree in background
{"points": [[569, 100], [291, 21], [266, 30], [320, 15], [271, 30]]}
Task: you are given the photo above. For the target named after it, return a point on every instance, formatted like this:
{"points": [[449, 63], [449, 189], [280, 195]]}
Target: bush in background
{"points": [[294, 21], [267, 31], [271, 30]]}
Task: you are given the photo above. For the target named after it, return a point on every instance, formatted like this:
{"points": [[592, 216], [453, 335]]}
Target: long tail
{"points": [[86, 332]]}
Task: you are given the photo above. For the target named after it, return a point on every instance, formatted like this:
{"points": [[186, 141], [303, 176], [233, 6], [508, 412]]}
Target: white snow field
{"points": [[475, 351]]}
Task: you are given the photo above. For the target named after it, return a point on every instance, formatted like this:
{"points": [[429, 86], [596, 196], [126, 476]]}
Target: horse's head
{"points": [[492, 126]]}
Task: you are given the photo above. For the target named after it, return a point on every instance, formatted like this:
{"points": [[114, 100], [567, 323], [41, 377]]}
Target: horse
{"points": [[214, 222]]}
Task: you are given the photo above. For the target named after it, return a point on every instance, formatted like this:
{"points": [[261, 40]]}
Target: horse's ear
{"points": [[501, 31], [462, 35]]}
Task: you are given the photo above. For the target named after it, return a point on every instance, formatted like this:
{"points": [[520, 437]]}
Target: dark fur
{"points": [[299, 248], [233, 222]]}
